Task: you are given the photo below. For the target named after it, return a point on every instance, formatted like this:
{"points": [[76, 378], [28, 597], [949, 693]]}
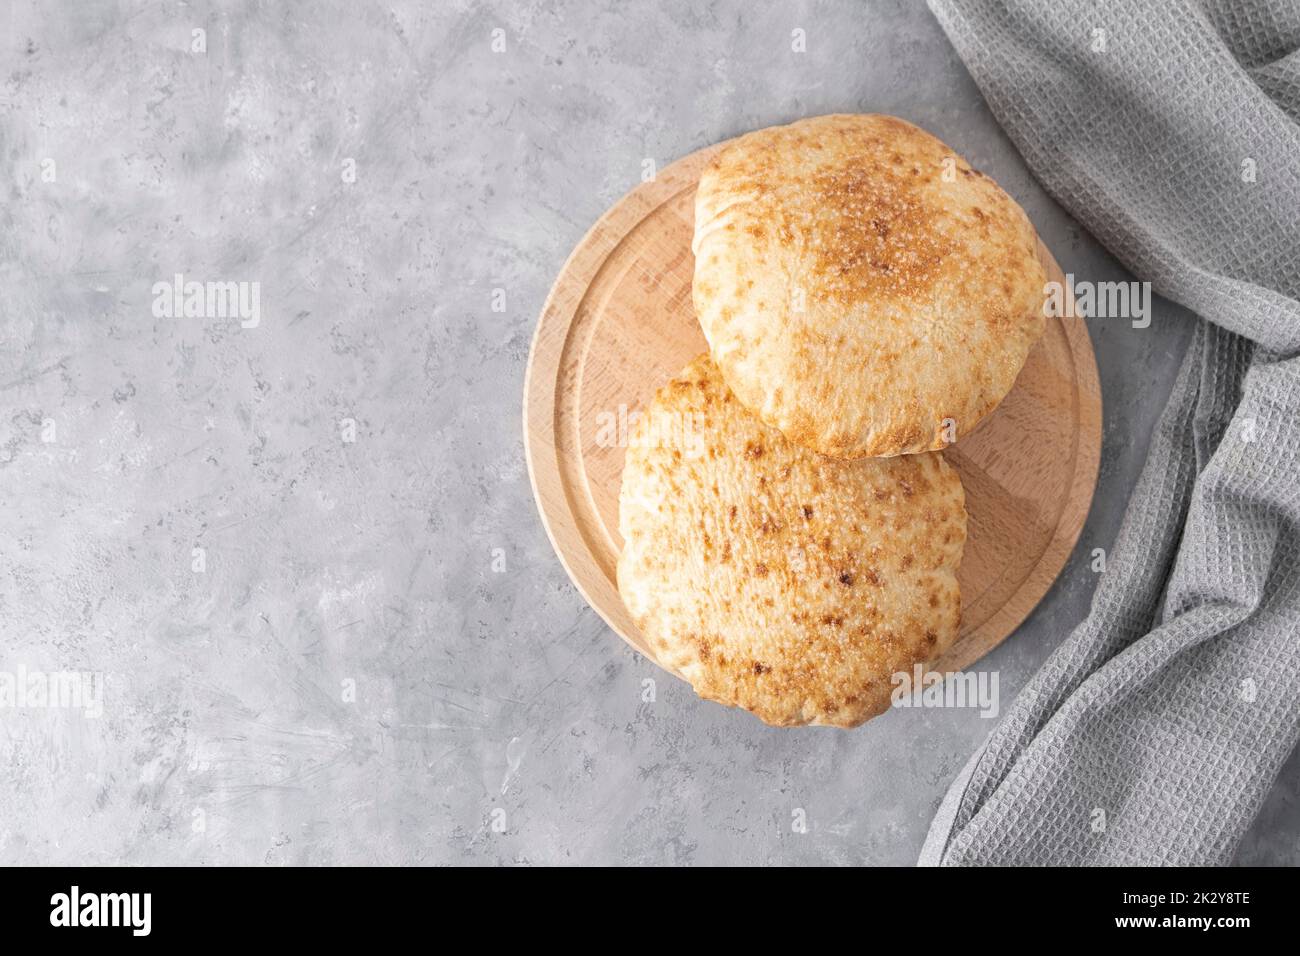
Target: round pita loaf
{"points": [[776, 579], [862, 288]]}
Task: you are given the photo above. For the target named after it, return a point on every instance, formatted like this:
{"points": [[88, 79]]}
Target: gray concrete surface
{"points": [[316, 650]]}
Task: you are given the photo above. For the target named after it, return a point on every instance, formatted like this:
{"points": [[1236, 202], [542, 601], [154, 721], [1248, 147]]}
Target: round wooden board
{"points": [[619, 323]]}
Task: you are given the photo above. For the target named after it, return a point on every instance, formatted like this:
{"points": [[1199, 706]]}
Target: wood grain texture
{"points": [[619, 323]]}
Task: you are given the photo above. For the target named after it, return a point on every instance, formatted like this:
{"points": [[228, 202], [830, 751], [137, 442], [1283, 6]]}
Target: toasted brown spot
{"points": [[882, 241]]}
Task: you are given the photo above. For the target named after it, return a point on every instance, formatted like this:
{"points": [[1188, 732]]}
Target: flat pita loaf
{"points": [[775, 579], [862, 288]]}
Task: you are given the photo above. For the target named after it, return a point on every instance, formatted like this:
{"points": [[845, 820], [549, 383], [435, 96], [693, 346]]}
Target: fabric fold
{"points": [[1154, 732]]}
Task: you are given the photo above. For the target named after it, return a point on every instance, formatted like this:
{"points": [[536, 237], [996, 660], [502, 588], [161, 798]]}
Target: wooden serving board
{"points": [[619, 323]]}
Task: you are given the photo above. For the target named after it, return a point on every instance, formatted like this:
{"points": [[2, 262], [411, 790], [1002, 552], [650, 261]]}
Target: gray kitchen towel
{"points": [[1154, 732]]}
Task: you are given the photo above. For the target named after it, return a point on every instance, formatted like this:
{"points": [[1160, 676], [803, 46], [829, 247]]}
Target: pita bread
{"points": [[776, 579], [862, 288]]}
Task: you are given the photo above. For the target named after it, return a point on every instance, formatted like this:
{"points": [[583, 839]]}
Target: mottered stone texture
{"points": [[300, 557]]}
